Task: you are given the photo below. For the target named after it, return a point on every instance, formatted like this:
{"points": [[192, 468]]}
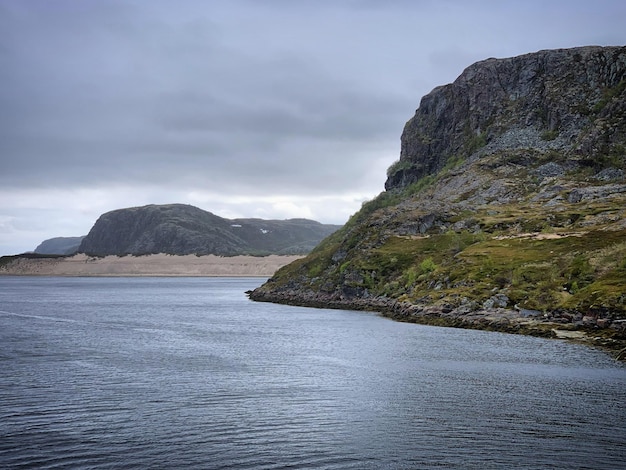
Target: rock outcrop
{"points": [[179, 229], [506, 209], [550, 100]]}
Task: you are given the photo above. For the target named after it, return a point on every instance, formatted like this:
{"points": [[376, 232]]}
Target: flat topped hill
{"points": [[179, 229], [506, 209]]}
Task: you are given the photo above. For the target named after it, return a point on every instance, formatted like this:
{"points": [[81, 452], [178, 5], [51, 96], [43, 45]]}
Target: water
{"points": [[188, 373]]}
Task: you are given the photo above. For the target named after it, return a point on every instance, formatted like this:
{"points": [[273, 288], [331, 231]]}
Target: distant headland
{"points": [[172, 240]]}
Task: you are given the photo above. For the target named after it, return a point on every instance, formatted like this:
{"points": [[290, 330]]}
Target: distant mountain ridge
{"points": [[59, 246], [180, 229]]}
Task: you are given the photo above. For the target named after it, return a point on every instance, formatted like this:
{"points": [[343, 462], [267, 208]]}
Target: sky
{"points": [[245, 108]]}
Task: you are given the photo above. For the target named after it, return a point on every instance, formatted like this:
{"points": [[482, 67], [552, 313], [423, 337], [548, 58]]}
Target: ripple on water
{"points": [[125, 373]]}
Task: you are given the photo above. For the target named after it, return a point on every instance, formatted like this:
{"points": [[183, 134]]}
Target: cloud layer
{"points": [[269, 109]]}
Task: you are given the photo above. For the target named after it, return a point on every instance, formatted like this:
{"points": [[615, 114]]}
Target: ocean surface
{"points": [[108, 373]]}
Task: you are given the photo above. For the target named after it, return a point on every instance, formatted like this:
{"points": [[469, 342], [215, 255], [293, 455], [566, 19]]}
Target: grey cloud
{"points": [[239, 98], [190, 106]]}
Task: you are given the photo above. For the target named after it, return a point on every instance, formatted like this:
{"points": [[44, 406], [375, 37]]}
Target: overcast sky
{"points": [[271, 109]]}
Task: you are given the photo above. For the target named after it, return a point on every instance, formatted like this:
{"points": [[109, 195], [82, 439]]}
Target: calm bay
{"points": [[188, 373]]}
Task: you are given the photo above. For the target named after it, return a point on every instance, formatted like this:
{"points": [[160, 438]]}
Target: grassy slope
{"points": [[488, 223], [567, 257], [571, 266]]}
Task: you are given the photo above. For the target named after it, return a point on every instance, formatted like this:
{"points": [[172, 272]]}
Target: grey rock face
{"points": [[179, 229], [610, 174], [549, 100], [550, 169], [496, 301]]}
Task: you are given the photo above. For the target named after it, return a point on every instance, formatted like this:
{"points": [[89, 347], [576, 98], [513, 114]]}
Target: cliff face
{"points": [[506, 208], [179, 229], [547, 100]]}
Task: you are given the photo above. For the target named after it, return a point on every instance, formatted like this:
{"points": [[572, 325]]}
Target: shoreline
{"points": [[157, 265], [609, 338], [592, 332]]}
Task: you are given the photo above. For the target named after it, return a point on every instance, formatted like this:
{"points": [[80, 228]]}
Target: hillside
{"points": [[179, 229], [505, 211], [59, 246]]}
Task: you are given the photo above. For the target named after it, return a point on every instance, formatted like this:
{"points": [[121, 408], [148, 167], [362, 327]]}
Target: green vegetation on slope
{"points": [[570, 257], [506, 209]]}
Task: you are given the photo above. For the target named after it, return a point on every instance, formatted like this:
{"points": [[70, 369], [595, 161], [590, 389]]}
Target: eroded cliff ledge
{"points": [[549, 100], [505, 211]]}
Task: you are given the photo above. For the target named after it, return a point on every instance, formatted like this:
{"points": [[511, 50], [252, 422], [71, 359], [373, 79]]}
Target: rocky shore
{"points": [[597, 330]]}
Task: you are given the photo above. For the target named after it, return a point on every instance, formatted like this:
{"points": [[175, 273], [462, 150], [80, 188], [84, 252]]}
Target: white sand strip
{"points": [[150, 265]]}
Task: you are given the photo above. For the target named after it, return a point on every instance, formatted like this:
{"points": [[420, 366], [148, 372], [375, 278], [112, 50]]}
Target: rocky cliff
{"points": [[178, 229], [550, 100], [506, 209]]}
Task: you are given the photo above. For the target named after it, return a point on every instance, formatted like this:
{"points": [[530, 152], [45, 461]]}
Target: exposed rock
{"points": [[595, 192], [496, 301], [178, 229], [575, 196], [610, 174], [550, 169], [541, 101], [509, 191]]}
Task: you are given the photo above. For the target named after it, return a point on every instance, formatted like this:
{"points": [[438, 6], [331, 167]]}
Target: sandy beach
{"points": [[150, 265]]}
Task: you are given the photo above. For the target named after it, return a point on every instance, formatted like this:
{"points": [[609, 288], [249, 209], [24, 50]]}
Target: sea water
{"points": [[188, 373]]}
